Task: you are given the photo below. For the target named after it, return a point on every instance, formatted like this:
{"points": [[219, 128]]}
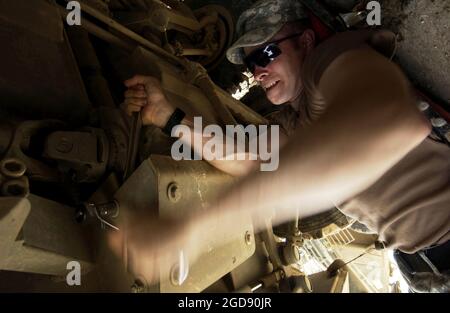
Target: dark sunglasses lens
{"points": [[262, 57]]}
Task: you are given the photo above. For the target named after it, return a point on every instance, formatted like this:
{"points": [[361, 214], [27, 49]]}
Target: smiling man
{"points": [[357, 142]]}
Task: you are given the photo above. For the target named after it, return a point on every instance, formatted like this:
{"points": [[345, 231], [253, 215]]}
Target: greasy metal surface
{"points": [[158, 16], [52, 227], [37, 237], [199, 184], [90, 68], [29, 14], [128, 33], [82, 155], [21, 140], [40, 71]]}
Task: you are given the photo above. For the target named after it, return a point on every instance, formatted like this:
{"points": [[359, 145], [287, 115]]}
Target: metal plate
{"points": [[36, 247], [199, 185]]}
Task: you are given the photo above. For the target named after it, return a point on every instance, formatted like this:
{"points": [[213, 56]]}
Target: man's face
{"points": [[281, 78]]}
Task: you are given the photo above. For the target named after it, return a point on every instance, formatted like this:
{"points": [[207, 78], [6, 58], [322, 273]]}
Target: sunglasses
{"points": [[263, 56]]}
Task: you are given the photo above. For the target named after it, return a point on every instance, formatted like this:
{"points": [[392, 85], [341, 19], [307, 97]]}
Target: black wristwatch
{"points": [[174, 120]]}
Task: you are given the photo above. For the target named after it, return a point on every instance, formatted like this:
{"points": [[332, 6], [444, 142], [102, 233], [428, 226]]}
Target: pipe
{"points": [[130, 34], [102, 34]]}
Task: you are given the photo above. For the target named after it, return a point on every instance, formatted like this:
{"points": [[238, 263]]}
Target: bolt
{"points": [[177, 277], [138, 286], [173, 192], [80, 216], [248, 238], [423, 106], [438, 122], [109, 209], [64, 145]]}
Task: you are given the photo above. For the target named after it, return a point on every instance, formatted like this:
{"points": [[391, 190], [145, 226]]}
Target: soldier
{"points": [[359, 142]]}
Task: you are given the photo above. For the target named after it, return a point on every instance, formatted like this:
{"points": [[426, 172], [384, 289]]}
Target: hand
{"points": [[146, 95], [146, 242]]}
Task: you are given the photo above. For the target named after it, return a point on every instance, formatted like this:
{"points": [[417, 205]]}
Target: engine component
{"points": [[82, 155], [40, 236]]}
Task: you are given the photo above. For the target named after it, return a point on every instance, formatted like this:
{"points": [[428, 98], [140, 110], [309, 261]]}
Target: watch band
{"points": [[174, 120]]}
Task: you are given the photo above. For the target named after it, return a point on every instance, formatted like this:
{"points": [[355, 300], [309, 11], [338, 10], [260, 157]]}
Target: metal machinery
{"points": [[72, 162]]}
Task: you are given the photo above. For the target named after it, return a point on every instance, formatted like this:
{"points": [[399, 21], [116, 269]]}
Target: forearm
{"points": [[231, 166]]}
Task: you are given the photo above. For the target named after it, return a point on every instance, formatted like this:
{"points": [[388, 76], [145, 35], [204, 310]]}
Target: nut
{"points": [[12, 168]]}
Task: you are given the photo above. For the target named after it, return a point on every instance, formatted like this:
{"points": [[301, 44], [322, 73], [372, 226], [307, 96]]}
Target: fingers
{"points": [[133, 93], [140, 80], [140, 102], [138, 87]]}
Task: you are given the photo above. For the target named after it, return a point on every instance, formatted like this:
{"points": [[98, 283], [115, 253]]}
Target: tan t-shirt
{"points": [[409, 206]]}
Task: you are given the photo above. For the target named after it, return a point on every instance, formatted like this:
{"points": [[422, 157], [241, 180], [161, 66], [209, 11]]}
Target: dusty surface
{"points": [[424, 47]]}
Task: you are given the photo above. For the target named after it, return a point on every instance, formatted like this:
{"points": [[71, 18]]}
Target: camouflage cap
{"points": [[261, 22]]}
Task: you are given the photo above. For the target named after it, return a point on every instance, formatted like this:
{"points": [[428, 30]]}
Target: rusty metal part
{"points": [[24, 135], [198, 184], [84, 155], [40, 236]]}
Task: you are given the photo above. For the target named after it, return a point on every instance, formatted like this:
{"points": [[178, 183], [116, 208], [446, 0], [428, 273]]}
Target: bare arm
{"points": [[371, 123], [146, 94]]}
